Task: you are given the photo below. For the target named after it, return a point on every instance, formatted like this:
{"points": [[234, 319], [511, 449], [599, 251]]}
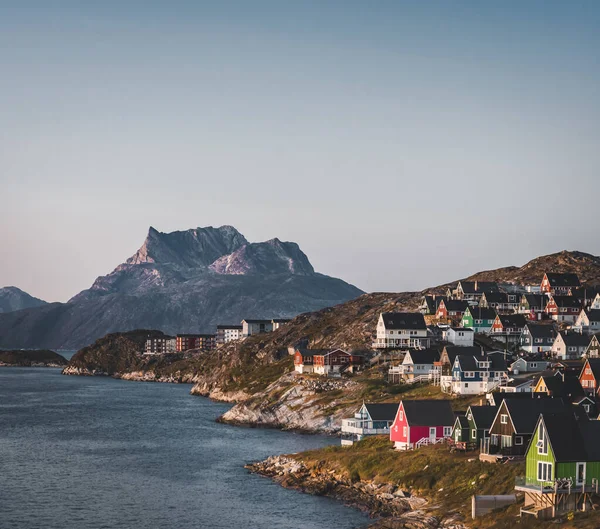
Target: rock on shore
{"points": [[393, 507]]}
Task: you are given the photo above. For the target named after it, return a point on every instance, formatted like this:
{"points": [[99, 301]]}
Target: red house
{"points": [[590, 376], [336, 361], [451, 309], [421, 422]]}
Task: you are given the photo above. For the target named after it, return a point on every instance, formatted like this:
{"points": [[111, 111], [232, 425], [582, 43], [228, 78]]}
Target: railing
{"points": [[557, 486], [357, 427], [425, 441], [420, 378]]}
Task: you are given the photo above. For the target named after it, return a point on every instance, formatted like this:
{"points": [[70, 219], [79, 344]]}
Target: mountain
{"points": [[13, 298], [184, 281]]}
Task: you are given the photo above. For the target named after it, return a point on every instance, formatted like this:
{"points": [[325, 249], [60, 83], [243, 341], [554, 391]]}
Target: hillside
{"points": [[35, 358], [13, 298], [182, 282]]}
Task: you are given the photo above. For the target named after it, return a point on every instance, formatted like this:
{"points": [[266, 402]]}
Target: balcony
{"points": [[557, 486], [353, 426]]}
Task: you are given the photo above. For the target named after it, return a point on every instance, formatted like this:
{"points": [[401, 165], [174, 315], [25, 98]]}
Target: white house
{"points": [[277, 323], [476, 374], [370, 419], [250, 327], [160, 345], [397, 330], [228, 333], [459, 336], [418, 362], [570, 346], [588, 321], [517, 386]]}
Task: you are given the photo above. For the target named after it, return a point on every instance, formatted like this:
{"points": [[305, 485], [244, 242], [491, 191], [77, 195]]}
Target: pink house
{"points": [[421, 422]]}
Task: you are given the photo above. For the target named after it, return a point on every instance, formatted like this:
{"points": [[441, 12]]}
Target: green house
{"points": [[471, 428], [479, 319], [562, 464]]}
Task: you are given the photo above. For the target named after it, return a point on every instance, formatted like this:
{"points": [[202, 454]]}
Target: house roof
{"points": [[456, 305], [568, 386], [594, 364], [256, 321], [572, 438], [281, 320], [512, 320], [574, 339], [540, 331], [525, 413], [454, 350], [424, 356], [474, 287], [496, 297], [593, 315], [311, 352], [196, 335], [403, 320], [483, 416], [382, 412], [462, 421], [567, 302], [433, 302], [428, 412], [536, 300], [563, 280], [482, 313], [585, 292], [233, 327], [469, 362]]}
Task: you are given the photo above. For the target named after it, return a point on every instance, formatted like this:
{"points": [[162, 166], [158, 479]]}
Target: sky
{"points": [[400, 144]]}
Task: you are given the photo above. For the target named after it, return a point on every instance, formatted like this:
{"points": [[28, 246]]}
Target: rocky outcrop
{"points": [[37, 358], [395, 507], [184, 281], [295, 402]]}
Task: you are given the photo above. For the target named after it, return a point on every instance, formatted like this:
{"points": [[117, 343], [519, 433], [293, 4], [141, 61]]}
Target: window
{"points": [[474, 434], [586, 407], [401, 415], [544, 472], [542, 443], [504, 418], [447, 431], [404, 431], [518, 440]]}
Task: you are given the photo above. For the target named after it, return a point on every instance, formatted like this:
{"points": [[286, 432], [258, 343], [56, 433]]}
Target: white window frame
{"points": [[544, 471], [503, 418]]}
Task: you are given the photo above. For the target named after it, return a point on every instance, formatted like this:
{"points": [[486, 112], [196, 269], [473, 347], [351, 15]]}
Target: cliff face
{"points": [[185, 281], [13, 298]]}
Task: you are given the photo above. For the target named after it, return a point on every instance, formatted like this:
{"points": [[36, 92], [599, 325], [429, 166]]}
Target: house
{"points": [[479, 319], [250, 327], [588, 321], [304, 359], [564, 309], [204, 342], [569, 345], [451, 309], [593, 348], [533, 306], [528, 365], [537, 338], [475, 374], [418, 363], [590, 376], [561, 385], [397, 330], [554, 283], [508, 327], [474, 426], [450, 352], [518, 385], [515, 422], [595, 302], [589, 404], [501, 301], [160, 345], [228, 333], [585, 295], [370, 419], [421, 422], [429, 304], [459, 336], [337, 361], [473, 290], [278, 322], [562, 465]]}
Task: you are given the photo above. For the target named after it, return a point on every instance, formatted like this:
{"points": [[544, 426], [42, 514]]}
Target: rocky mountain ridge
{"points": [[184, 281], [13, 298]]}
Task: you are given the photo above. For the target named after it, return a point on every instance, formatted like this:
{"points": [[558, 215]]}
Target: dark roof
{"points": [[456, 305], [468, 361], [567, 302], [513, 320], [428, 412], [281, 320], [536, 300], [233, 327], [454, 350], [483, 416], [563, 280], [462, 421], [585, 292], [196, 335], [593, 315], [311, 352], [572, 438], [433, 302], [574, 339], [541, 331], [382, 412], [257, 321], [567, 387], [403, 320], [424, 356], [525, 413], [482, 313], [496, 297], [595, 367], [473, 287], [501, 396]]}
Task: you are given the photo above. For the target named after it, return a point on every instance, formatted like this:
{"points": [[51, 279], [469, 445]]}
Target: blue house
{"points": [[475, 374]]}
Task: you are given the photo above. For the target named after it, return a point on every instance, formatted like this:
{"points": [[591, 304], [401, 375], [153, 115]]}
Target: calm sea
{"points": [[95, 453]]}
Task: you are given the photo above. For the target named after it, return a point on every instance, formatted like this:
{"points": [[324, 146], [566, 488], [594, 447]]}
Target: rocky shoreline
{"points": [[393, 507]]}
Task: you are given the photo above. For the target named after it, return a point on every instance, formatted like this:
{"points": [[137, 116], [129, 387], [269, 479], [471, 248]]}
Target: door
{"points": [[432, 435], [581, 473]]}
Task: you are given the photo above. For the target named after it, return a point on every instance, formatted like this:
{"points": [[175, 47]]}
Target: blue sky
{"points": [[401, 144]]}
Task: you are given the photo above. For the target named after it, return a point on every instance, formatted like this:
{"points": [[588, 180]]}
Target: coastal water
{"points": [[98, 453]]}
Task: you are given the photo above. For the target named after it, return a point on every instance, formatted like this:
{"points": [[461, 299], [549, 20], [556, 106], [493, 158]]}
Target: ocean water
{"points": [[98, 453]]}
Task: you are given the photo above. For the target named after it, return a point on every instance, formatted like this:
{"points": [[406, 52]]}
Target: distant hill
{"points": [[184, 281], [13, 298]]}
